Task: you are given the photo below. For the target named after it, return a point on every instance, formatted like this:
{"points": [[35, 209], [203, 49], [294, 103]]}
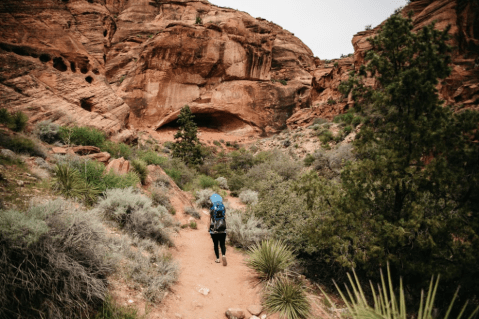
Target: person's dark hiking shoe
{"points": [[224, 261]]}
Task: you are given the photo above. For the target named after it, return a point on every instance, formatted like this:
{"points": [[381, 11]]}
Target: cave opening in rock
{"points": [[84, 69], [218, 121], [86, 104], [45, 58], [105, 32], [59, 64], [89, 79], [73, 67]]}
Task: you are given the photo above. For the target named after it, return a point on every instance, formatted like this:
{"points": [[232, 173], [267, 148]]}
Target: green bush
{"points": [[20, 144], [16, 121], [116, 150], [245, 231], [69, 183], [82, 135], [140, 168], [356, 121], [348, 129], [53, 262], [344, 118], [179, 172], [269, 258], [217, 143], [331, 101], [222, 182], [241, 160], [136, 214], [308, 160], [47, 131], [325, 136], [152, 158], [287, 298], [236, 183], [111, 310], [207, 182], [159, 197]]}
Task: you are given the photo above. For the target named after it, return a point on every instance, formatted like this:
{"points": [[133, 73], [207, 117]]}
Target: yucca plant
{"points": [[269, 258], [289, 299], [387, 305], [68, 182], [141, 169]]}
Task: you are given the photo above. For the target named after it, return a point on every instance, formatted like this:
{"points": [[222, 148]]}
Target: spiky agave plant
{"points": [[289, 299], [269, 258], [68, 182], [387, 305]]}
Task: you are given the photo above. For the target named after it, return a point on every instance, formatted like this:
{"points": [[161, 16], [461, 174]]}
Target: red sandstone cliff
{"points": [[123, 65]]}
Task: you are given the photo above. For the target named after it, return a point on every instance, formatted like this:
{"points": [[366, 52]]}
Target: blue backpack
{"points": [[218, 222]]}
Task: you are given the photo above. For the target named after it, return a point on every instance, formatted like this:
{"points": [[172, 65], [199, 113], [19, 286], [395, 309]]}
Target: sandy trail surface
{"points": [[230, 286]]}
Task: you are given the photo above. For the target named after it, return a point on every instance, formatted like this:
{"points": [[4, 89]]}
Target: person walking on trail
{"points": [[217, 227]]}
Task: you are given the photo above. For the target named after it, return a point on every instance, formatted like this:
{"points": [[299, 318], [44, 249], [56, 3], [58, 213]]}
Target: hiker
{"points": [[217, 227]]}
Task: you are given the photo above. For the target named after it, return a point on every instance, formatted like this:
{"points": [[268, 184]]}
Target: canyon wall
{"points": [[129, 65]]}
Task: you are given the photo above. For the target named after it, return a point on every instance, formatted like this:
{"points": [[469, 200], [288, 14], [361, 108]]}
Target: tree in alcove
{"points": [[187, 147]]}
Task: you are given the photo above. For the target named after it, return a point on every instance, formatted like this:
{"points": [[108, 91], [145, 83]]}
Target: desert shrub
{"points": [[347, 129], [162, 180], [69, 183], [5, 117], [245, 231], [269, 258], [236, 183], [344, 118], [288, 298], [179, 172], [136, 214], [203, 198], [192, 212], [82, 136], [140, 168], [325, 136], [117, 150], [148, 265], [277, 162], [356, 121], [248, 197], [151, 158], [217, 143], [222, 182], [23, 145], [241, 160], [111, 310], [207, 181], [159, 196], [18, 121], [331, 101], [308, 160], [53, 262], [330, 163], [47, 131]]}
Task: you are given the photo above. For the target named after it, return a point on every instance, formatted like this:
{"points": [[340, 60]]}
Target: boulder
{"points": [[85, 150], [102, 157], [118, 165], [8, 153], [255, 309], [235, 313], [59, 150]]}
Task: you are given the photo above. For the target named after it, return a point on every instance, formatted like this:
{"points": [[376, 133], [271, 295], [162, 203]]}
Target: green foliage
{"points": [[117, 150], [344, 118], [53, 262], [388, 305], [20, 144], [331, 101], [16, 121], [241, 160], [348, 129], [5, 117], [356, 121], [193, 225], [151, 158], [159, 196], [203, 198], [179, 172], [140, 168], [47, 131], [269, 258], [248, 197], [325, 136], [222, 182], [198, 20], [308, 160], [217, 143], [283, 81], [207, 182], [68, 182], [411, 198], [82, 136], [187, 147], [287, 298]]}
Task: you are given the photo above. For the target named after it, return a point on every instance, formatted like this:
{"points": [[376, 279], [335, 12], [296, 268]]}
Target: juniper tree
{"points": [[187, 147], [412, 198]]}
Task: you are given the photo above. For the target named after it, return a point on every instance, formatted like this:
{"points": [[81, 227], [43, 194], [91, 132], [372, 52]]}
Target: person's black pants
{"points": [[221, 239]]}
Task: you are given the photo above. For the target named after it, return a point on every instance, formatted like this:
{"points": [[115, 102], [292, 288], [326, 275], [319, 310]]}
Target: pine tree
{"points": [[412, 198], [187, 147]]}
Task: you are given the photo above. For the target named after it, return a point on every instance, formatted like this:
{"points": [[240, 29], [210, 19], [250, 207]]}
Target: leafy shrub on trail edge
{"points": [[249, 197], [287, 298], [192, 212], [82, 135], [68, 182], [245, 233], [39, 245], [23, 145], [222, 182], [140, 168], [47, 131], [203, 198], [136, 214]]}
